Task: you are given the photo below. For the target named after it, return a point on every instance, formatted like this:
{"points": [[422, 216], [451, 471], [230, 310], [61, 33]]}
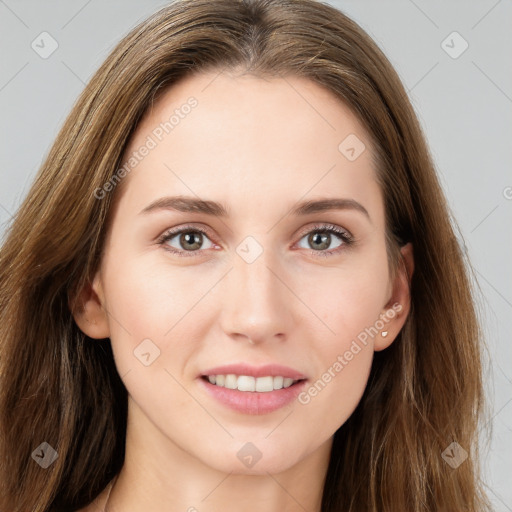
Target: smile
{"points": [[248, 383]]}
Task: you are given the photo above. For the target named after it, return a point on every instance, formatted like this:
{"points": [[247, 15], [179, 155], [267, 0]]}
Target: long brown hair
{"points": [[62, 388]]}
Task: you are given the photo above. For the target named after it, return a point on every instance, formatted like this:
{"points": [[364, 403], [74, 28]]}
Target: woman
{"points": [[235, 283]]}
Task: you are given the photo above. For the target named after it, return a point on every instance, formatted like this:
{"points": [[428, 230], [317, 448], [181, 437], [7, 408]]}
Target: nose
{"points": [[257, 305]]}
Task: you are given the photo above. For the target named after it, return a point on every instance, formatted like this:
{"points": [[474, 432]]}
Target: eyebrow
{"points": [[194, 205]]}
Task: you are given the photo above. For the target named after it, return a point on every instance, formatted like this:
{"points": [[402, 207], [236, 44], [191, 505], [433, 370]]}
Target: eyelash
{"points": [[345, 236]]}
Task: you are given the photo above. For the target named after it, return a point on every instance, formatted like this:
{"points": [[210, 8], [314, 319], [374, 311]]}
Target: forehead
{"points": [[225, 135]]}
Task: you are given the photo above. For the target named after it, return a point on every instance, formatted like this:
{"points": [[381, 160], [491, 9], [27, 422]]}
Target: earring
{"points": [[384, 334]]}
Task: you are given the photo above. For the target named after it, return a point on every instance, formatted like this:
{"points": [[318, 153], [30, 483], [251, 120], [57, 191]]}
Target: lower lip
{"points": [[254, 402]]}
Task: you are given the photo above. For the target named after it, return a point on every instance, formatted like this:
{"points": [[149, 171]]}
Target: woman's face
{"points": [[252, 281]]}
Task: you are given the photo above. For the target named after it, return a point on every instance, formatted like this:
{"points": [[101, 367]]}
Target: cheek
{"points": [[347, 299], [343, 357], [143, 305], [150, 297], [349, 304], [331, 398]]}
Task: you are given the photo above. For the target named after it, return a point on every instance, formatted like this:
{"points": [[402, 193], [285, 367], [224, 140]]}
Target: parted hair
{"points": [[60, 387]]}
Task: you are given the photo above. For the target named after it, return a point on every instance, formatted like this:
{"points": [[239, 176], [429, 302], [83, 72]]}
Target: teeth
{"points": [[231, 381], [248, 383], [278, 382], [263, 384], [287, 383]]}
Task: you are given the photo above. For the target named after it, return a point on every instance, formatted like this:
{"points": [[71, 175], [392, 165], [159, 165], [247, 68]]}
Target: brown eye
{"points": [[322, 237], [185, 240]]}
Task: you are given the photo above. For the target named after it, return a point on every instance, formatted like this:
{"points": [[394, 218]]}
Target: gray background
{"points": [[464, 105]]}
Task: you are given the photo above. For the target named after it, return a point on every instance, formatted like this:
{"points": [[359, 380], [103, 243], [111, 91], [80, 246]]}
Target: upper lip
{"points": [[273, 370]]}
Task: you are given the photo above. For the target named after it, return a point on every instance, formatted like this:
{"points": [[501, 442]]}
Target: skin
{"points": [[258, 147]]}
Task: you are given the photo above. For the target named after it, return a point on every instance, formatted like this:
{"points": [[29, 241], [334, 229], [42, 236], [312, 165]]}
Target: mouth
{"points": [[251, 389], [248, 383]]}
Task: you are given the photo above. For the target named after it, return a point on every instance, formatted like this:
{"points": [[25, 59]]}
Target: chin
{"points": [[254, 459]]}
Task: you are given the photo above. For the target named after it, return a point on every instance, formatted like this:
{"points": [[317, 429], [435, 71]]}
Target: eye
{"points": [[189, 240], [321, 237]]}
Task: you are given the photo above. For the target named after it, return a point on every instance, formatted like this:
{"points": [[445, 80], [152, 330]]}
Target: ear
{"points": [[89, 312], [396, 310]]}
